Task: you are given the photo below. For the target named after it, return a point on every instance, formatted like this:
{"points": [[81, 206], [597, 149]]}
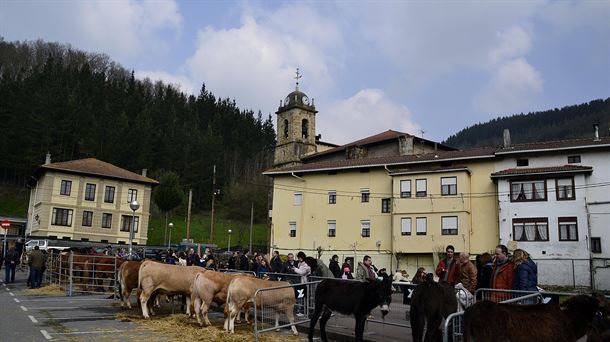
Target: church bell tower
{"points": [[296, 128]]}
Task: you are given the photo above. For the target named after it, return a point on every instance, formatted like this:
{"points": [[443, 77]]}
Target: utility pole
{"points": [[212, 215], [251, 223], [188, 216]]}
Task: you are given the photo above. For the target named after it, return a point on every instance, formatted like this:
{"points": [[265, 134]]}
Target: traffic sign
{"points": [[6, 224]]}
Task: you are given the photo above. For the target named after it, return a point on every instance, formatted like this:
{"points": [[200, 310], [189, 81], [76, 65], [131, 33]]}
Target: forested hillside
{"points": [[556, 124], [74, 104]]}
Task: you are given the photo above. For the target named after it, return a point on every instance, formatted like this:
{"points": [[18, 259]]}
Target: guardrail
{"points": [[82, 274]]}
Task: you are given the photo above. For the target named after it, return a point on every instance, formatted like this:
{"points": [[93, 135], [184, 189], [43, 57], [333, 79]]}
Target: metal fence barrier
{"points": [[82, 274]]}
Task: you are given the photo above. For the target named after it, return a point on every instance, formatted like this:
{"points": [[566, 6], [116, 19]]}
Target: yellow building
{"points": [[88, 200], [396, 197]]}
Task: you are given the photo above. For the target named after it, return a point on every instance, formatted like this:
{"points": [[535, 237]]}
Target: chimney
{"points": [[144, 171], [47, 159], [506, 138], [596, 129]]}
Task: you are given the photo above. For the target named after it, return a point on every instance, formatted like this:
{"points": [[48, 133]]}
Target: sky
{"points": [[428, 68]]}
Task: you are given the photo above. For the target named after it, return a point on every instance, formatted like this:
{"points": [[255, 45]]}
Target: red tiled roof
{"points": [[541, 170], [95, 167], [373, 139], [476, 153], [554, 145], [418, 169]]}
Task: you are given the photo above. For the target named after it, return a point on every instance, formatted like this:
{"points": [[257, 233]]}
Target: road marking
{"points": [[33, 319], [24, 308], [46, 334], [12, 294], [63, 299], [57, 308], [16, 300]]}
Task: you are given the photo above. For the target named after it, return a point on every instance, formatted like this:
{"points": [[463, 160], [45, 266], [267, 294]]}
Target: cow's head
{"points": [[385, 295]]}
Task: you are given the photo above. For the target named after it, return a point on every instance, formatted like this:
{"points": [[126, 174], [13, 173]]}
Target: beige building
{"points": [[88, 200], [396, 197]]}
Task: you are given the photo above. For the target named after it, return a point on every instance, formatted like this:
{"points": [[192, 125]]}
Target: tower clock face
{"points": [[305, 100]]}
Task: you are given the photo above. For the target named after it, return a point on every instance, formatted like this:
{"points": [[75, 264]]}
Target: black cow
{"points": [[430, 303], [489, 321], [350, 298]]}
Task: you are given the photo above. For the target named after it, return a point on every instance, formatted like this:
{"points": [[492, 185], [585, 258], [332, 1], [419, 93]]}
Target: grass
{"points": [[14, 200], [200, 231]]}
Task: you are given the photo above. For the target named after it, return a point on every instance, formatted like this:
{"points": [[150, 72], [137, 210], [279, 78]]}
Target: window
{"points": [[421, 224], [573, 159], [286, 128], [89, 192], [127, 221], [386, 205], [365, 228], [565, 189], [449, 225], [66, 187], [405, 226], [596, 245], [106, 220], [524, 191], [568, 229], [448, 186], [332, 197], [420, 187], [332, 228], [293, 229], [61, 217], [531, 229], [132, 195], [305, 129], [405, 188], [87, 218], [364, 195], [522, 162], [109, 194], [298, 198]]}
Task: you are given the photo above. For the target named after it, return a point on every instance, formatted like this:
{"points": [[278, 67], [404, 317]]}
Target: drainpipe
{"points": [[297, 177], [32, 204], [591, 267], [391, 220]]}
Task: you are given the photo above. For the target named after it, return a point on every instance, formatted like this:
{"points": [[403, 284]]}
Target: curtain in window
{"points": [[517, 190], [573, 234], [527, 190], [518, 232], [530, 231], [563, 232], [542, 230], [539, 190]]}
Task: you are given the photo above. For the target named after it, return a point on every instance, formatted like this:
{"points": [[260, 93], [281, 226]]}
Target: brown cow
{"points": [[210, 287], [128, 280], [488, 321], [241, 292], [168, 279], [102, 267]]}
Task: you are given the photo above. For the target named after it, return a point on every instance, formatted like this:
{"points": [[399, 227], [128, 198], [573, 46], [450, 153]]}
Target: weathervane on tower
{"points": [[298, 76]]}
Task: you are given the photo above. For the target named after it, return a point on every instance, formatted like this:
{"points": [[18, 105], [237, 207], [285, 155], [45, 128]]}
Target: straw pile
{"points": [[49, 290], [181, 328]]}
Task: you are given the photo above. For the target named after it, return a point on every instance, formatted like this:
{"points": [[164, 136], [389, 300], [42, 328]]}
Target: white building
{"points": [[554, 202]]}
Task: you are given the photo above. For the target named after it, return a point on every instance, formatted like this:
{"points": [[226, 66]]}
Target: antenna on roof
{"points": [[297, 77]]}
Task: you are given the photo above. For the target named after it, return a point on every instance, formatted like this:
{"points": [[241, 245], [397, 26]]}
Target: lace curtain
{"points": [[542, 231]]}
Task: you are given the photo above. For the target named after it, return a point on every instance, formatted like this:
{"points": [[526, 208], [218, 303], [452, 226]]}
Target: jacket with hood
{"points": [[526, 276]]}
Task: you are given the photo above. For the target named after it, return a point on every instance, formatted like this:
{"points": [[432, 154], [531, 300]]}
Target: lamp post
{"points": [[169, 242], [229, 244], [134, 205]]}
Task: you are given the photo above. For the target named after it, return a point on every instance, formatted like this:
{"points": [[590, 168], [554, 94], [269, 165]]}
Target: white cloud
{"points": [[512, 88], [368, 112], [125, 30], [513, 42], [179, 81]]}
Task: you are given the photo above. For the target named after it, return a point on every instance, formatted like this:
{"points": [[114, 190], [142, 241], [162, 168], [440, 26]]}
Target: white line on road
{"points": [[24, 308], [33, 319], [57, 307], [46, 335], [12, 294], [16, 300]]}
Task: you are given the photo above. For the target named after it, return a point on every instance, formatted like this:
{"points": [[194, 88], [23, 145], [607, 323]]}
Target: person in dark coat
{"points": [[334, 266], [36, 262], [484, 273], [276, 262], [244, 263], [233, 261], [10, 262], [526, 272]]}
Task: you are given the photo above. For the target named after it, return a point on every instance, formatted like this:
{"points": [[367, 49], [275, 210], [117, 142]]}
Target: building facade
{"points": [[88, 200]]}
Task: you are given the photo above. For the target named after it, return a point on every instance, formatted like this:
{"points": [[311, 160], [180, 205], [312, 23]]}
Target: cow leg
{"points": [[314, 319], [197, 304], [432, 328], [144, 304], [205, 307], [360, 321], [323, 320], [188, 305]]}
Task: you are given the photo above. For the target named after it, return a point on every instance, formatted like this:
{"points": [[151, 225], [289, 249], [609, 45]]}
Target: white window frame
{"points": [[298, 199], [292, 228], [365, 195], [448, 186], [332, 197], [332, 228], [421, 226], [421, 187], [449, 225], [365, 228], [405, 188], [65, 219], [405, 225]]}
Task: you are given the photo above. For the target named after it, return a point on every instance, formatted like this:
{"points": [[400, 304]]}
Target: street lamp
{"points": [[171, 225], [229, 244], [134, 205]]}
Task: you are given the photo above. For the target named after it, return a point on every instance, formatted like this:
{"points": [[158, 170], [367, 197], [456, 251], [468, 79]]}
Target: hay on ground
{"points": [[49, 290], [182, 328]]}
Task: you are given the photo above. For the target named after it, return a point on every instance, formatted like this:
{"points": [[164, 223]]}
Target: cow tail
{"points": [[140, 277], [120, 281]]}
